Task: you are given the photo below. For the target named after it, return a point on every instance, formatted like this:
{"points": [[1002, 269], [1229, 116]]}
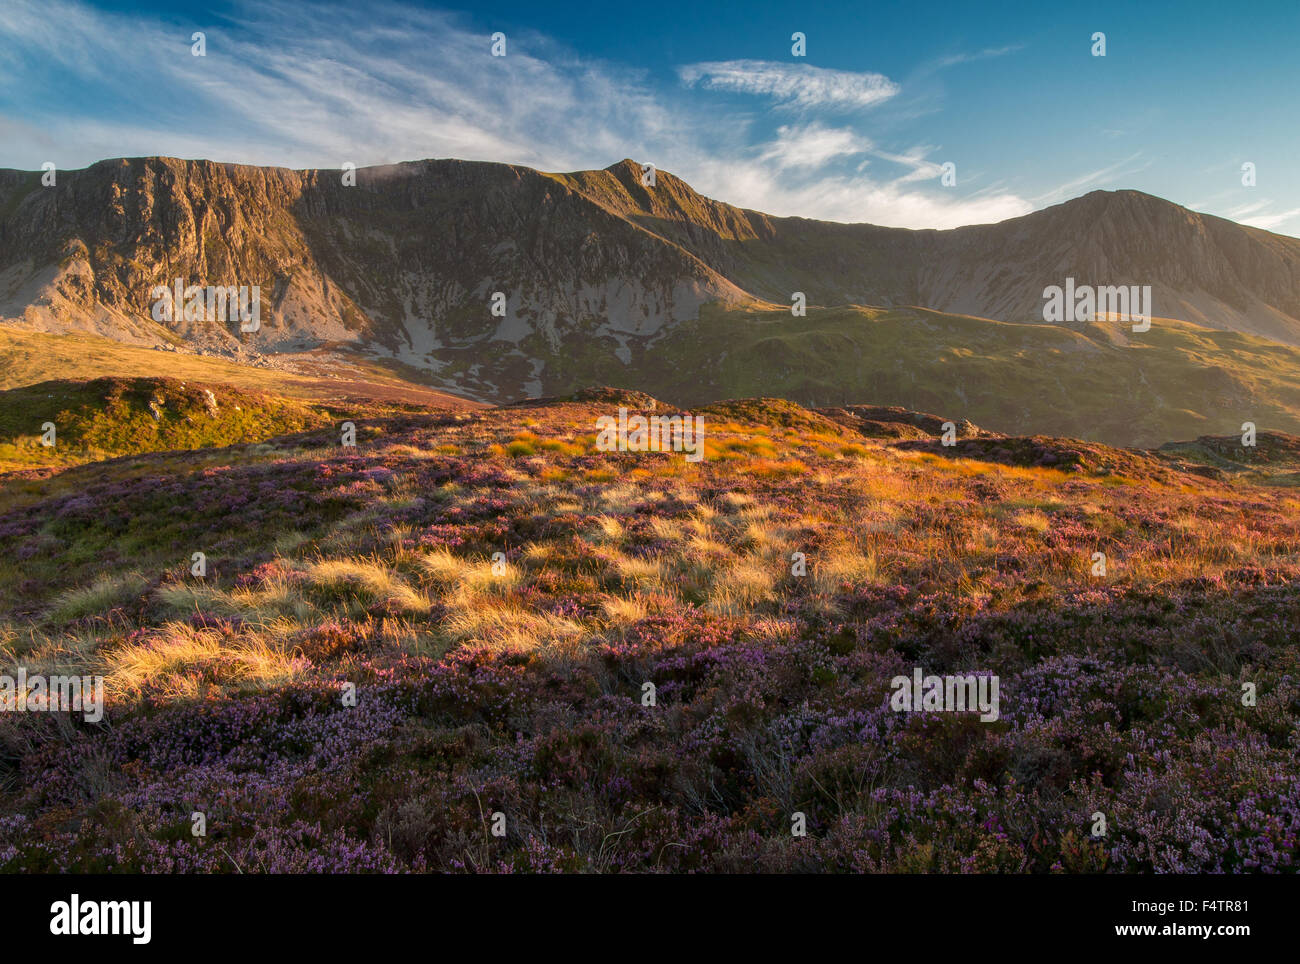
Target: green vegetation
{"points": [[124, 416], [1098, 382]]}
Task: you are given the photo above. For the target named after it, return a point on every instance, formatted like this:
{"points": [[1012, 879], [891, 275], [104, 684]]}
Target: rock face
{"points": [[593, 266], [408, 259]]}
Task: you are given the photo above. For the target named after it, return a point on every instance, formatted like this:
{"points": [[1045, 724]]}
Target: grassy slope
{"points": [[29, 357], [1102, 383], [1274, 459], [481, 685], [106, 417]]}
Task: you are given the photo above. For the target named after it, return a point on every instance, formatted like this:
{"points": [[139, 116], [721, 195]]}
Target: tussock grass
{"points": [[647, 574], [1033, 520], [106, 592], [488, 578], [180, 661], [620, 611], [440, 567], [502, 625], [367, 580], [837, 570], [607, 530], [742, 588]]}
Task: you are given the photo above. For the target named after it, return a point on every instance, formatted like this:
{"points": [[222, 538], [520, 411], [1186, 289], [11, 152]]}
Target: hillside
{"points": [[1096, 382], [517, 684], [327, 375], [1202, 269], [106, 417], [405, 261], [606, 279]]}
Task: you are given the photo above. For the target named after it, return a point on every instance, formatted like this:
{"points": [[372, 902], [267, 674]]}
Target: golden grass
{"points": [[1033, 520], [864, 514], [837, 570], [490, 578], [440, 567], [179, 661], [607, 530], [742, 588], [368, 578], [639, 573], [506, 626], [622, 611]]}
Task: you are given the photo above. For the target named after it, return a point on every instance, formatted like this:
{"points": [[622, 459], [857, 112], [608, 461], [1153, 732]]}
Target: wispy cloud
{"points": [[797, 85], [1256, 213], [1246, 210], [1093, 179], [917, 164], [812, 145], [1270, 221], [853, 198], [383, 83], [987, 53]]}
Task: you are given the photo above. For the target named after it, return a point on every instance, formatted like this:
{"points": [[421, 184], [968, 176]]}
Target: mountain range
{"points": [[604, 278], [350, 623]]}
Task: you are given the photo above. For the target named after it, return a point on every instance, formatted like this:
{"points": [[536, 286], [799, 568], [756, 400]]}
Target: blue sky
{"points": [[857, 130]]}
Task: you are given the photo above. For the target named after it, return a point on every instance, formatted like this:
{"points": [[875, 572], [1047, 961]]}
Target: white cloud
{"points": [[812, 145], [919, 168], [986, 54], [1270, 221], [799, 85], [1242, 210], [850, 198]]}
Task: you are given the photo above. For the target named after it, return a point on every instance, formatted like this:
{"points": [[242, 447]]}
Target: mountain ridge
{"points": [[599, 271]]}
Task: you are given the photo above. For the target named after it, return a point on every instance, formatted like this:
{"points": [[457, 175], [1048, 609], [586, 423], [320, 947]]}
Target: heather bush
{"points": [[360, 683]]}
